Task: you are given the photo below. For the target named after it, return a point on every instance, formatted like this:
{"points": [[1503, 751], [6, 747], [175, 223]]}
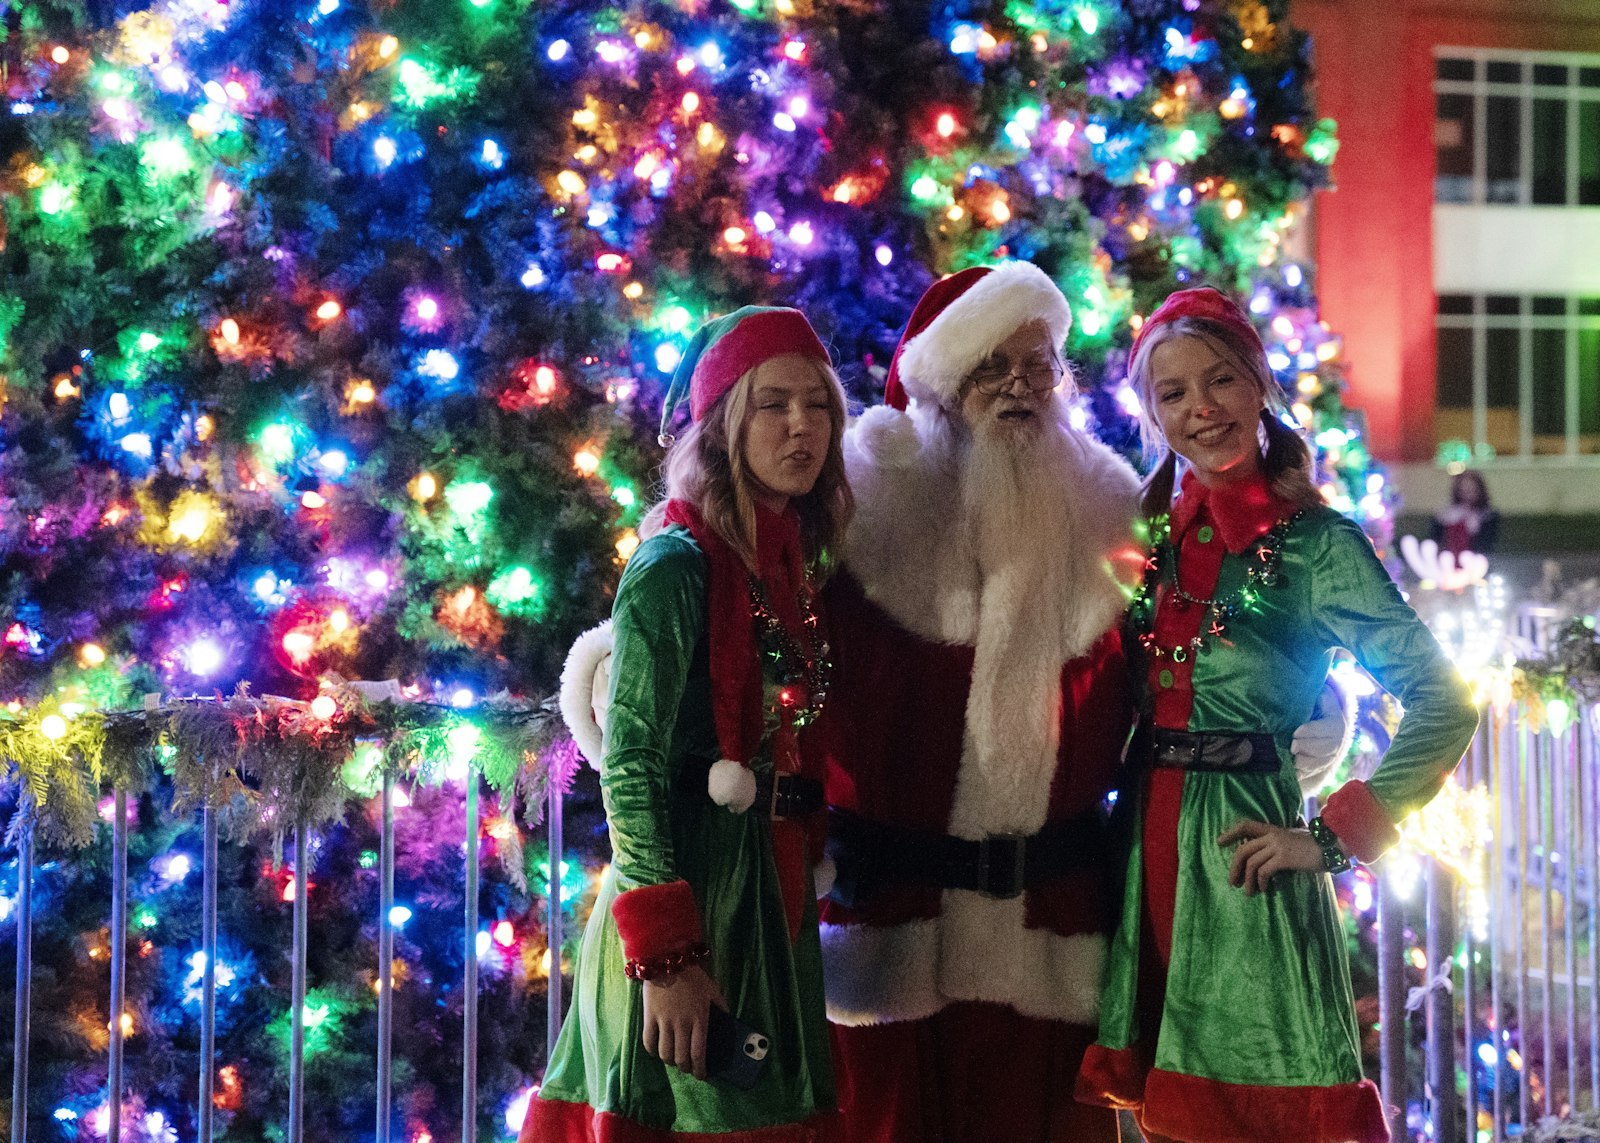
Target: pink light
{"points": [[427, 309], [505, 935]]}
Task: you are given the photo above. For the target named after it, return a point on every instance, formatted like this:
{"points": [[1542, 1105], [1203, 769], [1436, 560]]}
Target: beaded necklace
{"points": [[1265, 560], [796, 678]]}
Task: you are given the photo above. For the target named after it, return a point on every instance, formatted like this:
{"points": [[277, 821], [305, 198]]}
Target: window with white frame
{"points": [[1519, 374], [1516, 128]]}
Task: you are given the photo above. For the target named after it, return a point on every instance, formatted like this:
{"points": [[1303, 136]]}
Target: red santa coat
{"points": [[975, 701]]}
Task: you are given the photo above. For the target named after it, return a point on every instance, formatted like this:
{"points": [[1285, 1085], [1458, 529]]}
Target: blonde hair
{"points": [[1286, 460], [706, 466]]}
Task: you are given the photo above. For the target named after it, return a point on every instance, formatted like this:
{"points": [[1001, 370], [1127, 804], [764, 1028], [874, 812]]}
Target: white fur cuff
{"points": [[732, 784], [586, 690]]}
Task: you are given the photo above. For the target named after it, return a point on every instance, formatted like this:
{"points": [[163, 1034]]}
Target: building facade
{"points": [[1459, 253]]}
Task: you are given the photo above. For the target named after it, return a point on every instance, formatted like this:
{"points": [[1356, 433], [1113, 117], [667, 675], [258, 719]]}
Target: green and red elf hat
{"points": [[1205, 304], [728, 347], [961, 319]]}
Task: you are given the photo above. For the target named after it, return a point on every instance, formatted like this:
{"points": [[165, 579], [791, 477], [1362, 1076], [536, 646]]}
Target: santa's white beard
{"points": [[1020, 505]]}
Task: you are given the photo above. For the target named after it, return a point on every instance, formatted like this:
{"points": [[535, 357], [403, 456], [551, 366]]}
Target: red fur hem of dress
{"points": [[557, 1121], [1210, 1111]]}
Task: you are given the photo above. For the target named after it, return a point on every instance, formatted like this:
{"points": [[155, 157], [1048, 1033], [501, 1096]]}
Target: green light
{"points": [[514, 590], [676, 319], [746, 6], [624, 496], [1027, 117], [313, 1015], [1088, 20], [166, 157], [369, 858], [146, 919], [468, 498], [54, 198], [925, 189], [1188, 144], [462, 742], [149, 341], [1323, 142], [277, 442], [418, 85]]}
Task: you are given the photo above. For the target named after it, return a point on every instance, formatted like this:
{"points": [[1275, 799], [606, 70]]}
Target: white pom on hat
{"points": [[732, 784]]}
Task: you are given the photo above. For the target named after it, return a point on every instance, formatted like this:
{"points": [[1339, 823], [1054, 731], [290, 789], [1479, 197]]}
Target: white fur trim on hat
{"points": [[935, 362], [732, 784], [586, 690], [886, 436]]}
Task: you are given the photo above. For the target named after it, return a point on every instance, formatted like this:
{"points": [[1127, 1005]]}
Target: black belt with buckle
{"points": [[1255, 753], [789, 796], [871, 856]]}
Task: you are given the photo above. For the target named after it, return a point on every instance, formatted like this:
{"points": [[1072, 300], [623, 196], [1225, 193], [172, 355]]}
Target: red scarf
{"points": [[737, 701]]}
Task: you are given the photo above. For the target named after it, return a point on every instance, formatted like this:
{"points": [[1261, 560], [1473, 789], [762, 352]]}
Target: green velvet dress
{"points": [[1255, 1035], [601, 1083]]}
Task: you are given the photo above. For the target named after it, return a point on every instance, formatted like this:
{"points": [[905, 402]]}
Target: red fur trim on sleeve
{"points": [[1210, 1111], [1111, 1077], [655, 920], [1360, 822]]}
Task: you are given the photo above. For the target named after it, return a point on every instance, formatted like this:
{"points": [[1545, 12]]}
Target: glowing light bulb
{"points": [[734, 235], [60, 54], [425, 486], [229, 329], [299, 644], [946, 125], [586, 461], [329, 310], [91, 655], [53, 727], [324, 707], [505, 934]]}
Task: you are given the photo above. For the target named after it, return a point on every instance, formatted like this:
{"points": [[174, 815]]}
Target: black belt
{"points": [[1255, 753], [871, 856], [790, 796]]}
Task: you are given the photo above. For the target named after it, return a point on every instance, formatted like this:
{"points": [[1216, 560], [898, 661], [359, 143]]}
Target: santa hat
{"points": [[961, 319], [1206, 304], [728, 347]]}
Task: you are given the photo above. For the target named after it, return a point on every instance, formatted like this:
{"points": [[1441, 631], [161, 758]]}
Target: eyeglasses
{"points": [[992, 380]]}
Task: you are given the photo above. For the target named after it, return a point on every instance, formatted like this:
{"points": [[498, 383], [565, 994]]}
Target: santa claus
{"points": [[981, 704]]}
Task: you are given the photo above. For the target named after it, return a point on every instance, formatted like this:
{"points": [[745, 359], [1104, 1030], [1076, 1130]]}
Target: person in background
{"points": [[1227, 1012], [710, 773], [1469, 523]]}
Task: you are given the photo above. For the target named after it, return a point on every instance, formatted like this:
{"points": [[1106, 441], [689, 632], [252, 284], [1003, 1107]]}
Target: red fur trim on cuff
{"points": [[1360, 822], [1111, 1077], [1210, 1111], [556, 1121], [656, 920]]}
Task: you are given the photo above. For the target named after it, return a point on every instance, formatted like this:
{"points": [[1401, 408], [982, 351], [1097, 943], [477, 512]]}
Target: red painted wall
{"points": [[1374, 230]]}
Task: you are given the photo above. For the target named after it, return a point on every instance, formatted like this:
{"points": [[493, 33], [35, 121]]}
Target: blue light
{"points": [[964, 39], [492, 156], [1488, 1055], [398, 916], [334, 462], [558, 51], [440, 364], [711, 54], [384, 149]]}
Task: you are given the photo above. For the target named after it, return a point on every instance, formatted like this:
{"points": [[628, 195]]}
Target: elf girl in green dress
{"points": [[1227, 1014], [711, 783]]}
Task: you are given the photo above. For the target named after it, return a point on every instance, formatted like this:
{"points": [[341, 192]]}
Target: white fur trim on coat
{"points": [[977, 950], [887, 436], [936, 361], [586, 690]]}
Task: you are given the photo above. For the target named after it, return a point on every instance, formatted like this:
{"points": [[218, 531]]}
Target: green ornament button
{"points": [[1205, 534], [1165, 678]]}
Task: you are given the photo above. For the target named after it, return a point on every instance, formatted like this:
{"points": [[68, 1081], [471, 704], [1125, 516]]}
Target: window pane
{"points": [[1550, 151], [1549, 389], [1455, 369], [1589, 154], [1589, 384], [1455, 303], [1453, 69], [1502, 304], [1549, 75], [1589, 307], [1501, 72], [1503, 368], [1504, 149], [1547, 306], [1588, 77], [1452, 141]]}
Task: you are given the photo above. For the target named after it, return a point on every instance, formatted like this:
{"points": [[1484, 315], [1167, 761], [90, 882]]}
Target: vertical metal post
{"points": [[469, 1046], [1440, 1075], [553, 925], [208, 979], [1571, 855], [24, 995], [1589, 769], [1526, 792], [1391, 1005], [1499, 792], [385, 959], [297, 991], [1544, 806], [119, 959]]}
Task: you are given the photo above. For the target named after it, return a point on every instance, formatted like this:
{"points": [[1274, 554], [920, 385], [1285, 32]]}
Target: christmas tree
{"points": [[334, 335]]}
